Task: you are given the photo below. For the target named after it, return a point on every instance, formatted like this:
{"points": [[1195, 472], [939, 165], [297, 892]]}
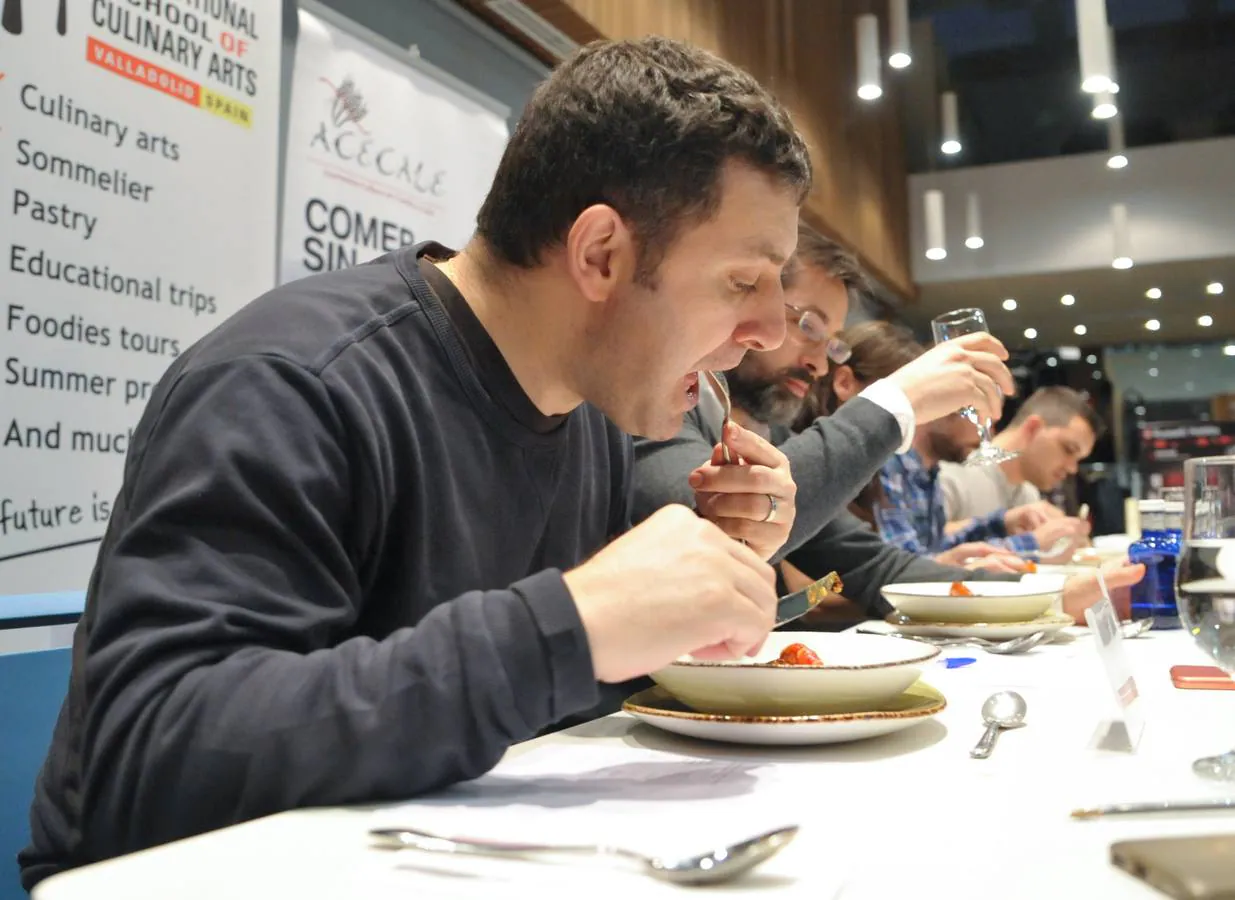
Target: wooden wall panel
{"points": [[803, 50]]}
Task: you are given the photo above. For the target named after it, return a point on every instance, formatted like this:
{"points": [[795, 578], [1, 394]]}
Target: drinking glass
{"points": [[1205, 577], [953, 325]]}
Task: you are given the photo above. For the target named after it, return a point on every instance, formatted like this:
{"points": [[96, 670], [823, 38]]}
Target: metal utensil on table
{"points": [[1003, 710], [1135, 629], [1012, 645], [1050, 552], [1209, 804], [713, 867], [799, 603]]}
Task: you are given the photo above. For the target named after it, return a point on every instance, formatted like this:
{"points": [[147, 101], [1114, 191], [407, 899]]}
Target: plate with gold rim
{"points": [[658, 708], [995, 631]]}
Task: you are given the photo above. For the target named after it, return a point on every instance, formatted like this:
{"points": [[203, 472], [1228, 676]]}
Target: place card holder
{"points": [[1122, 731]]}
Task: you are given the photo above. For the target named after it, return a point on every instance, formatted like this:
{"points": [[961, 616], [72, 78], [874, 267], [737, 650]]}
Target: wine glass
{"points": [[953, 325], [1205, 577]]}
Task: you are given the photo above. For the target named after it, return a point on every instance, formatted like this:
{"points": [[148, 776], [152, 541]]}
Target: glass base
{"points": [[989, 455], [1216, 768]]}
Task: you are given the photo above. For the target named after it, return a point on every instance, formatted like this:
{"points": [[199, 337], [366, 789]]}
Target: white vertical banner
{"points": [[379, 154], [139, 173]]}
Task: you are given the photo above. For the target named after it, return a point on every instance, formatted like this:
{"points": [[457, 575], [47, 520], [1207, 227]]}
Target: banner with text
{"points": [[140, 168], [378, 155]]}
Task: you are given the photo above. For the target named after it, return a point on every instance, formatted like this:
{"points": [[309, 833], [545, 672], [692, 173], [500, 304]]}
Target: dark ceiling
{"points": [[1014, 67]]}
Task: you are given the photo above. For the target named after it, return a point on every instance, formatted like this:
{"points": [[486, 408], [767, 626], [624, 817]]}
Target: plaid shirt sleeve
{"points": [[990, 529]]}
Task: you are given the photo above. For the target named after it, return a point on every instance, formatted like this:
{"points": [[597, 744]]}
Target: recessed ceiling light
{"points": [[1153, 373], [1079, 329], [1140, 410], [1121, 262], [1153, 325], [1189, 385], [1009, 304], [1205, 321], [1228, 350], [1153, 355], [1067, 299], [1053, 362], [1196, 352], [1031, 333], [1097, 376], [1091, 359], [1154, 293], [1214, 287]]}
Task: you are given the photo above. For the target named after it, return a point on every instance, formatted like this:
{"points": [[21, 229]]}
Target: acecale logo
{"points": [[348, 105]]}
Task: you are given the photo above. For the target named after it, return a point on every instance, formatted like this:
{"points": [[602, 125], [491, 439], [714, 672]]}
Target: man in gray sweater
{"points": [[835, 456]]}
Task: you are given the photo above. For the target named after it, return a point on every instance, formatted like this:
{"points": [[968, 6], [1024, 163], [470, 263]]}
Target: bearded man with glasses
{"points": [[833, 457]]}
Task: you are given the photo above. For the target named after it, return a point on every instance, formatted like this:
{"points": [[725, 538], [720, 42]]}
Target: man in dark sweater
{"points": [[360, 546], [835, 456]]}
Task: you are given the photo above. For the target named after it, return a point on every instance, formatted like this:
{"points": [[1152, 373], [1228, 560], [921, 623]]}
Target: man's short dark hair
{"points": [[1058, 406], [821, 252], [645, 126]]}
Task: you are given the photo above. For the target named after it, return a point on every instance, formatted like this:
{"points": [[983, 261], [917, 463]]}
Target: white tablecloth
{"points": [[891, 817]]}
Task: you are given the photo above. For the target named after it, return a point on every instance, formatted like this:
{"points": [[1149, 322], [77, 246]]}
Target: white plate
{"points": [[995, 631], [992, 601], [655, 707], [859, 671]]}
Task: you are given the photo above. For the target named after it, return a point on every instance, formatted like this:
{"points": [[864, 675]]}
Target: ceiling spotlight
{"points": [[1214, 287], [1009, 304], [1205, 321], [1091, 359], [1031, 333], [900, 60], [1153, 373], [1140, 410], [1097, 376], [870, 86], [1154, 293], [1121, 262], [973, 242], [1079, 329], [1196, 352], [1105, 107], [1053, 362], [1228, 350], [1117, 161], [899, 56], [1067, 299], [1153, 325]]}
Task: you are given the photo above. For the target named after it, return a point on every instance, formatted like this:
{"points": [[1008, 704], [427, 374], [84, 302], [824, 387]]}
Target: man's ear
{"points": [[1032, 427], [844, 384], [600, 252]]}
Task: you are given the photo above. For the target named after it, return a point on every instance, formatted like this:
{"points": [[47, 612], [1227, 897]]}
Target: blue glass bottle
{"points": [[1154, 596]]}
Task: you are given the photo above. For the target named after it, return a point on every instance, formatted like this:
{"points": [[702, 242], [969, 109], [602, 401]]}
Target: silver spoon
{"points": [[1013, 645], [713, 867], [1003, 710]]}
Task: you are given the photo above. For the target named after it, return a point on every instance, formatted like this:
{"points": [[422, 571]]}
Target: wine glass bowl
{"points": [[1205, 577], [958, 323]]}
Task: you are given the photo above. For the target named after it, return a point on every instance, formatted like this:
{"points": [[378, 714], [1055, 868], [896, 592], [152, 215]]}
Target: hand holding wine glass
{"points": [[1205, 576], [948, 327]]}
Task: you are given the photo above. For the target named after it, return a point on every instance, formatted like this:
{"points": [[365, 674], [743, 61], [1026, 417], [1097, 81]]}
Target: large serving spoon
{"points": [[713, 867]]}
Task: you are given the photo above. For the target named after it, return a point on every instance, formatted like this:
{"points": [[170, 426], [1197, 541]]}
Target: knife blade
{"points": [[1208, 804], [799, 603]]}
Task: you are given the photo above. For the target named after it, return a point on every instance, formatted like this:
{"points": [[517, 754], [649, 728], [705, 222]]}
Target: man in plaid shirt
{"points": [[911, 512]]}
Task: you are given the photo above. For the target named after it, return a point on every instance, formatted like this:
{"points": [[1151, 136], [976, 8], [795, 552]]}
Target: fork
{"points": [[717, 381]]}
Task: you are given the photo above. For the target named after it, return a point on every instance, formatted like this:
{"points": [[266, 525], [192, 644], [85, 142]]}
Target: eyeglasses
{"points": [[810, 328]]}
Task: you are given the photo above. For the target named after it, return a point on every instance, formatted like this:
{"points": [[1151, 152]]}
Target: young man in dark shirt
{"points": [[355, 553]]}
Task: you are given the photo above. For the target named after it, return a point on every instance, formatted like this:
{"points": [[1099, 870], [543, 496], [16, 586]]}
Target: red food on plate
{"points": [[959, 590], [798, 655]]}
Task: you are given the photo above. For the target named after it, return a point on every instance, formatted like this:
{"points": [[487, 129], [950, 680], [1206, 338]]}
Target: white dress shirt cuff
{"points": [[888, 396]]}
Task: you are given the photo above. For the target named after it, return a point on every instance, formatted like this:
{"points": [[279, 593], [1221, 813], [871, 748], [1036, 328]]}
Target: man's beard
{"points": [[765, 399], [945, 449]]}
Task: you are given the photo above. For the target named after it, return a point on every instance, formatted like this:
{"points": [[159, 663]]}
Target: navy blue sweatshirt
{"points": [[333, 573]]}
